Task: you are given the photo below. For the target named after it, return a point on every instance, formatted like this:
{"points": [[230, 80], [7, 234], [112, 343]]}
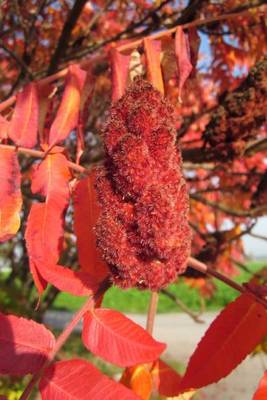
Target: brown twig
{"points": [[152, 312], [89, 304], [201, 267], [42, 154], [198, 22], [183, 307], [63, 41], [235, 213]]}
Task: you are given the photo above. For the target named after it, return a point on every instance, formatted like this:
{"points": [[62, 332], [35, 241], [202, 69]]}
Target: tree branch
{"points": [[253, 212], [183, 307], [65, 35], [42, 154]]}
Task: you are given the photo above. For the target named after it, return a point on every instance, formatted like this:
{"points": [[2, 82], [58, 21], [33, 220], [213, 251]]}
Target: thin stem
{"points": [[42, 154], [201, 267], [183, 306], [152, 312], [89, 304]]}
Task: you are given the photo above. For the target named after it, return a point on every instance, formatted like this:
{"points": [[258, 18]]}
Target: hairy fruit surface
{"points": [[143, 230]]}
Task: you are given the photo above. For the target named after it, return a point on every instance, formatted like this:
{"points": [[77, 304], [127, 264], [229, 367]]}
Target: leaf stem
{"points": [[62, 338], [152, 312]]}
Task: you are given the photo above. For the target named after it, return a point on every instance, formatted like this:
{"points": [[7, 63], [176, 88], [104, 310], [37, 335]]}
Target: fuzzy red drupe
{"points": [[143, 229]]}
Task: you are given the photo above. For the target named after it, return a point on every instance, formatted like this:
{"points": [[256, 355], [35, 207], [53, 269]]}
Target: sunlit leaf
{"points": [[114, 337], [23, 127], [120, 70], [226, 344], [152, 52], [67, 115]]}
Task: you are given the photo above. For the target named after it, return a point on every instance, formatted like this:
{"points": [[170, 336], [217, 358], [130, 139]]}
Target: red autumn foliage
{"points": [[61, 66]]}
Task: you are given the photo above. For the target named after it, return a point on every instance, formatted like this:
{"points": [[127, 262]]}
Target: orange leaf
{"points": [[227, 342], [23, 127], [67, 115], [182, 52], [261, 392], [139, 380], [10, 195], [166, 379], [152, 51], [86, 213], [120, 69]]}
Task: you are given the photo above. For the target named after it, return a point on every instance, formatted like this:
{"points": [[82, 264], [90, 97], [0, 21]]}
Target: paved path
{"points": [[182, 335]]}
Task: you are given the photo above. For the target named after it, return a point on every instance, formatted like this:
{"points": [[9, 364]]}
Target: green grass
{"points": [[136, 301]]}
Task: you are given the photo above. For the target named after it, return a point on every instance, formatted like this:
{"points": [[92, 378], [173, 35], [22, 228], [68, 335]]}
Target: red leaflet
{"points": [[86, 213], [80, 380], [261, 392], [4, 125], [44, 232], [152, 51], [120, 69], [182, 52], [24, 345], [10, 195], [43, 237], [51, 179], [229, 339], [117, 339], [23, 127], [78, 283], [166, 379], [67, 115]]}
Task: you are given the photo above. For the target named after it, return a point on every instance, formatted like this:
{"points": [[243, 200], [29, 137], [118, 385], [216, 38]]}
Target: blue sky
{"points": [[256, 247]]}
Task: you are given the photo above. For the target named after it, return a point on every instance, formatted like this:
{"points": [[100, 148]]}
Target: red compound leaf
{"points": [[24, 345], [80, 380], [117, 339]]}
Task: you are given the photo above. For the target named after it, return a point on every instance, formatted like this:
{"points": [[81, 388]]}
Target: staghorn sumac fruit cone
{"points": [[143, 231]]}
